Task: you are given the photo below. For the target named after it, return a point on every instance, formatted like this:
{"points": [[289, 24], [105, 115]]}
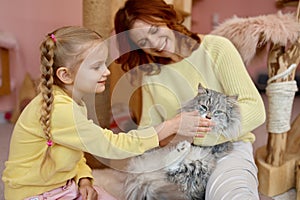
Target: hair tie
{"points": [[49, 143], [53, 37]]}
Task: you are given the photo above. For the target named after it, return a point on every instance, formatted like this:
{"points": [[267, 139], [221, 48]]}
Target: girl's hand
{"points": [[189, 124], [87, 190], [192, 124]]}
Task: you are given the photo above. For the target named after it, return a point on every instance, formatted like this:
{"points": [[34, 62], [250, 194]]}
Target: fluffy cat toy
{"points": [[181, 171]]}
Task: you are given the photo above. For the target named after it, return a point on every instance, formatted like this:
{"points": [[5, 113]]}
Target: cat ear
{"points": [[201, 89], [232, 100], [234, 97]]}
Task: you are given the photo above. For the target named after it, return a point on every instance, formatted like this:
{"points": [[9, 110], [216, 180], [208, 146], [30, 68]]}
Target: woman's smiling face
{"points": [[154, 40]]}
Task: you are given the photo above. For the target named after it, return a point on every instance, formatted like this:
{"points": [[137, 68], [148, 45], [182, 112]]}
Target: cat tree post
{"points": [[279, 62], [278, 163]]}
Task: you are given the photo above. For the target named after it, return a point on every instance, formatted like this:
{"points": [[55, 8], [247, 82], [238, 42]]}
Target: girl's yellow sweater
{"points": [[73, 133]]}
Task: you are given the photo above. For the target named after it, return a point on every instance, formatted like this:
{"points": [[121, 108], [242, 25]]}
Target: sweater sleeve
{"points": [[72, 128], [84, 171], [235, 80]]}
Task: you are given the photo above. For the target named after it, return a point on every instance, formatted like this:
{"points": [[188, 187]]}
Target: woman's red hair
{"points": [[151, 11]]}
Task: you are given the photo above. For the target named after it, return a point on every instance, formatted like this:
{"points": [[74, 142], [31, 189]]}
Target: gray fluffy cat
{"points": [[181, 171]]}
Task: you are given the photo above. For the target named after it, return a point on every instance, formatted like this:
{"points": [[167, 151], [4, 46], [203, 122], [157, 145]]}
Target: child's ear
{"points": [[64, 74]]}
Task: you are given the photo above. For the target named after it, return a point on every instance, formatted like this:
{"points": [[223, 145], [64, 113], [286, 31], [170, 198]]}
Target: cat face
{"points": [[212, 105], [220, 108]]}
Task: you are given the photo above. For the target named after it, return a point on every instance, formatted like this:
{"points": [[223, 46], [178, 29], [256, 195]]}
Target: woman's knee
{"points": [[235, 177]]}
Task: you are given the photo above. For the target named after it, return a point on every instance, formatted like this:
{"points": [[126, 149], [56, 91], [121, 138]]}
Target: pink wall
{"points": [[29, 21]]}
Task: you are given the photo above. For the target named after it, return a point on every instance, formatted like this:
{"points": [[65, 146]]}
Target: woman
{"points": [[174, 61]]}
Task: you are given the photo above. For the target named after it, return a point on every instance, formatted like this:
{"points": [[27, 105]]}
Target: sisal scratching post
{"points": [[277, 162]]}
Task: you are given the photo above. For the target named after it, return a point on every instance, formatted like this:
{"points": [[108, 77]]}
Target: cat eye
{"points": [[203, 108], [218, 112]]}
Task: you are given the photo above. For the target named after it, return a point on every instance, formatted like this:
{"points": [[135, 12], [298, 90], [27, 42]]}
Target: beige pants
{"points": [[235, 176]]}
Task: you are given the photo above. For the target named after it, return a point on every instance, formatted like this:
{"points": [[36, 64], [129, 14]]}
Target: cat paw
{"points": [[183, 146], [177, 155]]}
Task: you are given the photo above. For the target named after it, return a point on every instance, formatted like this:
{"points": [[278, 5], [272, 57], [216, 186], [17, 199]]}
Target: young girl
{"points": [[46, 159]]}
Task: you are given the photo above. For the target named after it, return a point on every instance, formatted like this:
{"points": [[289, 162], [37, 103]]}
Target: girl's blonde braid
{"points": [[46, 88]]}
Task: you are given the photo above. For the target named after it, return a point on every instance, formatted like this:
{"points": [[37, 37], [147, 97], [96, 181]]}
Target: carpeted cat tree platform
{"points": [[279, 35]]}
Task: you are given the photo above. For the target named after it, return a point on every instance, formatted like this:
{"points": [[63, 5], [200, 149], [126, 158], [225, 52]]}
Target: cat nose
{"points": [[208, 116]]}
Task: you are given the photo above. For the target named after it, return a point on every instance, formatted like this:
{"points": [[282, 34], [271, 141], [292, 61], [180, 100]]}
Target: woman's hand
{"points": [[87, 190]]}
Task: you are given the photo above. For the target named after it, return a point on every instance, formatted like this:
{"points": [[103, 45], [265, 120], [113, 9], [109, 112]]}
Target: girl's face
{"points": [[92, 74], [154, 40]]}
